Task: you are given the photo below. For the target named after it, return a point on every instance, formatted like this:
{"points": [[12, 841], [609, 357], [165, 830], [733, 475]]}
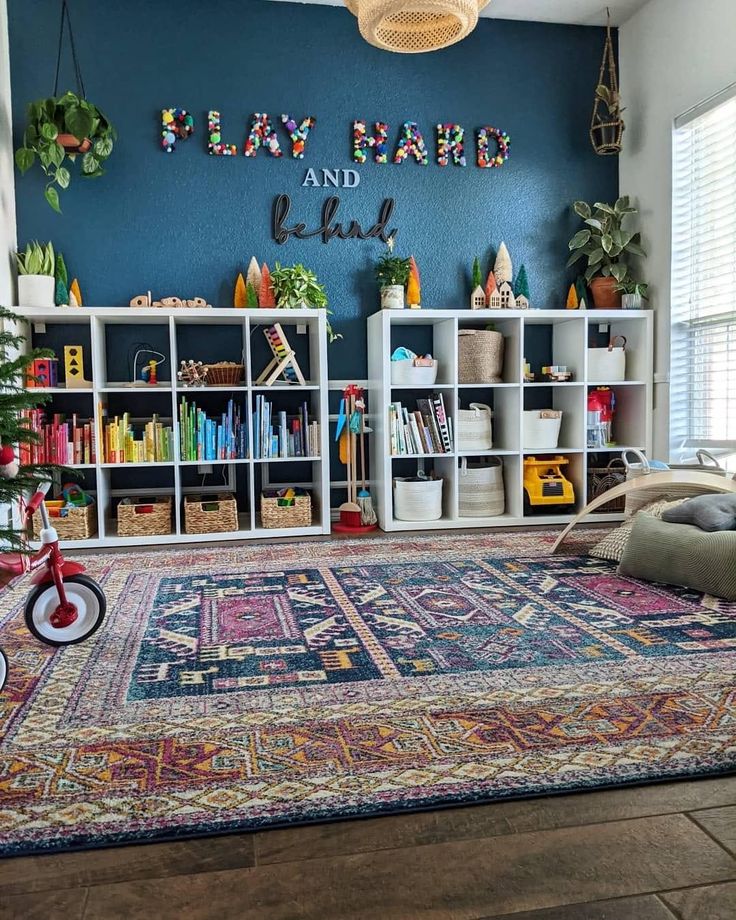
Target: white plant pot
{"points": [[631, 301], [36, 291], [392, 297]]}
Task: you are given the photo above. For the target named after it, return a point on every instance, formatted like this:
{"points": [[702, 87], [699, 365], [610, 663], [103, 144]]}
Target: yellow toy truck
{"points": [[545, 486]]}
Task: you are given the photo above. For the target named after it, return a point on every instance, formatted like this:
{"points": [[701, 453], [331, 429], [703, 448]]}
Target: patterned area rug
{"points": [[243, 687]]}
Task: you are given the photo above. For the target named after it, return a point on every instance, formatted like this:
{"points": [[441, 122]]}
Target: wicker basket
{"points": [[474, 427], [225, 374], [480, 488], [76, 523], [275, 515], [210, 513], [603, 478], [143, 517], [480, 356]]}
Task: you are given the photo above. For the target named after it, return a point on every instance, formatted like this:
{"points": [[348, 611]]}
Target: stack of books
{"points": [[423, 431], [282, 434], [203, 438], [63, 440], [121, 443]]}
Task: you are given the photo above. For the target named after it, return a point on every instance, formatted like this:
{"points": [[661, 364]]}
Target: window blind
{"points": [[703, 353]]}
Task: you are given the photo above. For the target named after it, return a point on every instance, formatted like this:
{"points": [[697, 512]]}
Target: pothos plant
{"points": [[60, 129], [295, 286], [603, 242]]}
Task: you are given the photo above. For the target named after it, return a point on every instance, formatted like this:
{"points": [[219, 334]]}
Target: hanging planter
{"points": [[607, 126], [62, 128]]}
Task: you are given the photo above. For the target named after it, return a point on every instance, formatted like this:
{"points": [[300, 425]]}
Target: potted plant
{"points": [[632, 294], [295, 286], [63, 128], [605, 244], [392, 274], [36, 282]]}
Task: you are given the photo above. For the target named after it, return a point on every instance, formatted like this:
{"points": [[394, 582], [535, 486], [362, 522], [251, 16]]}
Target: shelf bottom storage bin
{"points": [[418, 499], [144, 517], [73, 524], [277, 513], [480, 489], [210, 513]]}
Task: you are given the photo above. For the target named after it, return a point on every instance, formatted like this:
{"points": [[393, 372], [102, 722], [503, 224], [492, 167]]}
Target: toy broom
{"points": [[367, 513], [350, 509]]}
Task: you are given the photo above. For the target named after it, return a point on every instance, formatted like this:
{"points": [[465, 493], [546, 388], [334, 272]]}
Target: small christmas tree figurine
{"points": [[75, 294], [572, 299], [521, 290], [17, 480], [476, 280], [413, 287], [582, 292], [503, 269], [251, 296], [254, 275], [490, 288], [266, 296], [61, 293], [239, 296]]}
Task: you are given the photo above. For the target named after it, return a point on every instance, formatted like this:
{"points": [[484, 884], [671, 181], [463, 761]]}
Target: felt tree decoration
{"points": [[413, 288], [521, 285], [61, 292], [477, 279], [503, 269], [572, 299], [253, 275], [582, 292], [75, 295], [266, 296], [239, 296], [251, 296], [491, 287], [17, 480]]}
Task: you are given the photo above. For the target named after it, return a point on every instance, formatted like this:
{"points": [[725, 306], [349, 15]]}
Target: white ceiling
{"points": [[577, 12]]}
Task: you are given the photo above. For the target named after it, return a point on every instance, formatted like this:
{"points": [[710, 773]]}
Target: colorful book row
{"points": [[205, 438], [152, 442], [283, 434], [424, 430], [61, 439]]}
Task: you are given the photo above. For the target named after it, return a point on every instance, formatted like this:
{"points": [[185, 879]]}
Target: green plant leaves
{"points": [[90, 164], [52, 196], [595, 256], [55, 153], [103, 147], [619, 271], [49, 131], [582, 209], [580, 239], [607, 243], [24, 158], [79, 122], [63, 176]]}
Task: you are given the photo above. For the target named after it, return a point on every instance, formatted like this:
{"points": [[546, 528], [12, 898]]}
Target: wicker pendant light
{"points": [[413, 26]]}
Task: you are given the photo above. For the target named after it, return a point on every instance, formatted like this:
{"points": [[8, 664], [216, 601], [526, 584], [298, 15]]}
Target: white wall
{"points": [[7, 189], [673, 54]]}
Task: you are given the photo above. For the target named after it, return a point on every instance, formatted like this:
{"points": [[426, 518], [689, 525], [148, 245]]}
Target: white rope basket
{"points": [[413, 26]]}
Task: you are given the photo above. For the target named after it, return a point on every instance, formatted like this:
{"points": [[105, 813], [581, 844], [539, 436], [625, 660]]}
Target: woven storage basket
{"points": [[635, 501], [540, 433], [405, 373], [225, 374], [474, 428], [144, 517], [418, 499], [480, 356], [274, 515], [210, 513], [480, 488], [76, 524], [603, 478]]}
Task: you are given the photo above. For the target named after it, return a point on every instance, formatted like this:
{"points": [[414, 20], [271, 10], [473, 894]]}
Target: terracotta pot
{"points": [[605, 295], [72, 144]]}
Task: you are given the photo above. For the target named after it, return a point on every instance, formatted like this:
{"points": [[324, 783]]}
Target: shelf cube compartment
{"points": [[560, 344]]}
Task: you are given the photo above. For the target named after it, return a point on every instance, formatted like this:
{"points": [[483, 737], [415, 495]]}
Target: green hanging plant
{"points": [[295, 286]]}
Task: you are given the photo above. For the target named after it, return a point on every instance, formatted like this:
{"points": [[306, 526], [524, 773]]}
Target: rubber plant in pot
{"points": [[295, 287], [36, 270], [60, 130], [392, 274], [605, 244]]}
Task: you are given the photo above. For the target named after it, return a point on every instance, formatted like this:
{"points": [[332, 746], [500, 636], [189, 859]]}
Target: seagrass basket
{"points": [[225, 374], [480, 356], [144, 517], [210, 513], [603, 478], [74, 524], [275, 514]]}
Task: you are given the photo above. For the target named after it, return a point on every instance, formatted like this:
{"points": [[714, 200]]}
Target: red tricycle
{"points": [[64, 606]]}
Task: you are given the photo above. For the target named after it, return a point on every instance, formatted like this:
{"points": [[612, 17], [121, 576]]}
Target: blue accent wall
{"points": [[185, 223]]}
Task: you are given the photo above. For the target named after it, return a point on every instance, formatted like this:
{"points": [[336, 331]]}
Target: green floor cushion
{"points": [[680, 554], [708, 512], [612, 546]]}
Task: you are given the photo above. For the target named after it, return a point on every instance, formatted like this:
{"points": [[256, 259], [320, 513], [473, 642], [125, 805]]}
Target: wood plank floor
{"points": [[665, 852]]}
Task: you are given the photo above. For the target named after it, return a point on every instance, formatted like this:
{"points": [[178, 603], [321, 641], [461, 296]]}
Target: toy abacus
{"points": [[284, 359]]}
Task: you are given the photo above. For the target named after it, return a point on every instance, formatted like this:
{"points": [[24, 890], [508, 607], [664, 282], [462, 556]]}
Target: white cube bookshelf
{"points": [[183, 334], [563, 336]]}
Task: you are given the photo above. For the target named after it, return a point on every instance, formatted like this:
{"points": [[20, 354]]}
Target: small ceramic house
{"points": [[478, 299], [522, 303], [506, 292], [494, 303]]}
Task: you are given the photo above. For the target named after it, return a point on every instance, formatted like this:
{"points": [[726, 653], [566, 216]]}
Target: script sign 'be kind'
{"points": [[492, 151]]}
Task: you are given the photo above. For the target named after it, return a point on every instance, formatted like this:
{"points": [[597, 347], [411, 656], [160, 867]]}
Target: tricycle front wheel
{"points": [[82, 591], [3, 669]]}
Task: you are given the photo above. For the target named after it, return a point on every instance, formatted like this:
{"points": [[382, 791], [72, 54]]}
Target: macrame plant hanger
{"points": [[607, 126], [66, 20]]}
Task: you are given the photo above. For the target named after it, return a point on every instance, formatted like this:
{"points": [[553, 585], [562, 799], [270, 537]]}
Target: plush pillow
{"points": [[612, 546], [708, 512], [680, 554]]}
